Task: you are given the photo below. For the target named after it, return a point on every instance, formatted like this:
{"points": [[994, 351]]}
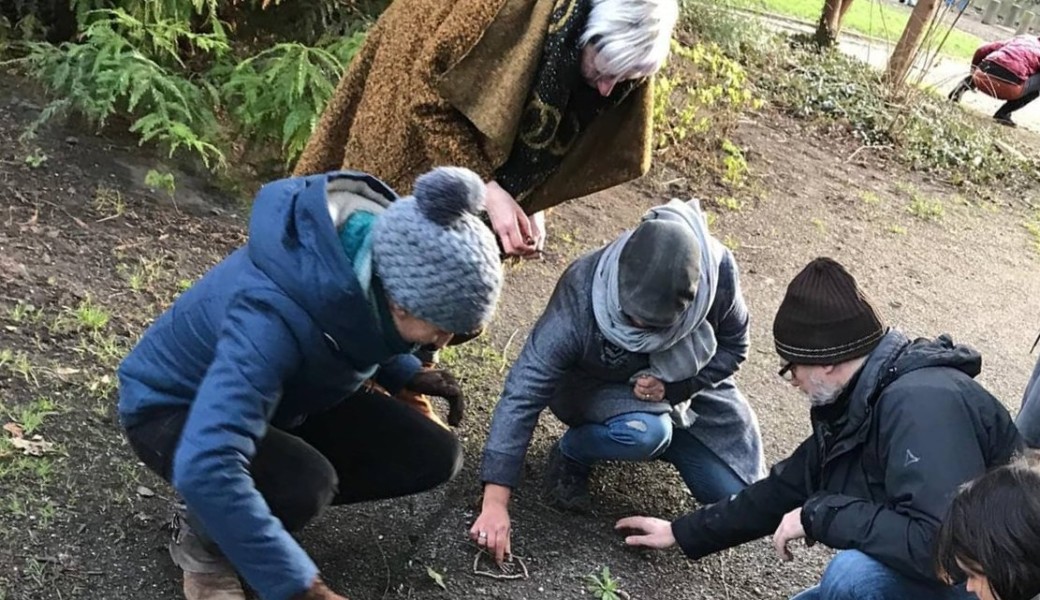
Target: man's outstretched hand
{"points": [[650, 532], [441, 383]]}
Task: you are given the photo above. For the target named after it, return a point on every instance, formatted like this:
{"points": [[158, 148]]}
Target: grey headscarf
{"points": [[681, 350]]}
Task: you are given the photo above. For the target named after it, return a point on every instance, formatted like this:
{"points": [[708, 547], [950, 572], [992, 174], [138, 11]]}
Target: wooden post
{"points": [[989, 15], [903, 55], [1025, 23]]}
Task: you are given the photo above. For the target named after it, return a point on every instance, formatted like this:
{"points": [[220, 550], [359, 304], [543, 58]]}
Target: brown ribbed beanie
{"points": [[825, 318]]}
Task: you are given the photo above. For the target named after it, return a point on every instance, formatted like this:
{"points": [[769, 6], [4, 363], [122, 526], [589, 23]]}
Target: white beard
{"points": [[822, 393]]}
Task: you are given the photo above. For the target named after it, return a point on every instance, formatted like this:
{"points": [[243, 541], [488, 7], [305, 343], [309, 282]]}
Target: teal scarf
{"points": [[356, 238]]}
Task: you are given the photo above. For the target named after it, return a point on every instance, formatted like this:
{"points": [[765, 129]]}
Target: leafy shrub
{"points": [[194, 76], [279, 94], [698, 99]]}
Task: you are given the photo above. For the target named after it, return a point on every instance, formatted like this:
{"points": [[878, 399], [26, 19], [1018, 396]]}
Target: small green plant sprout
{"points": [[729, 203], [731, 242], [897, 229], [603, 586], [925, 209], [734, 165], [91, 316], [109, 202], [870, 197], [819, 224], [35, 159], [31, 417], [1033, 228], [25, 313], [161, 181]]}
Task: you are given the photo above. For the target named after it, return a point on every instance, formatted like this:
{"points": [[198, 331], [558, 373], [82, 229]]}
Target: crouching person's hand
{"points": [[441, 383], [491, 530], [319, 591], [651, 533]]}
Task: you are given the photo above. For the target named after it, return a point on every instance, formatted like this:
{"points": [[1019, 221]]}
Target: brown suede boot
{"points": [[213, 586], [207, 574]]}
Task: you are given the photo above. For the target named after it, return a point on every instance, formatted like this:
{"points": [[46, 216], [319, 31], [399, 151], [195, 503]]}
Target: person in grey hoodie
{"points": [[636, 353]]}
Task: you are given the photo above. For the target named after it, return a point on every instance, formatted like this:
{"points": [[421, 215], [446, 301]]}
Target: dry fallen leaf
{"points": [[144, 492], [436, 577], [14, 429], [37, 446]]}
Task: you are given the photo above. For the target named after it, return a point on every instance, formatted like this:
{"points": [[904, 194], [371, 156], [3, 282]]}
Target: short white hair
{"points": [[631, 36]]}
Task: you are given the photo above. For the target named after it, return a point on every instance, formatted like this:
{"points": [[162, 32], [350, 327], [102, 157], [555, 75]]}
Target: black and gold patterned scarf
{"points": [[560, 104]]}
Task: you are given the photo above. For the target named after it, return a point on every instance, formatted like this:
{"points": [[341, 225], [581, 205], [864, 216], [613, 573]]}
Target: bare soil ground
{"points": [[88, 256]]}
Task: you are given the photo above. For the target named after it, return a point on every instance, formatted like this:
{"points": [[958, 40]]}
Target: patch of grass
{"points": [[731, 242], [108, 350], [870, 197], [925, 208], [897, 229], [145, 274], [24, 313], [874, 19], [31, 417], [729, 203], [18, 363], [109, 202], [90, 316], [1033, 228]]}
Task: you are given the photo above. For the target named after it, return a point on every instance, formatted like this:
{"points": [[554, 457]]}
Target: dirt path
{"points": [[77, 524]]}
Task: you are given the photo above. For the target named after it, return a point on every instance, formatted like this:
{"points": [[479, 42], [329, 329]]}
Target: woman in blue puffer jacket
{"points": [[247, 394]]}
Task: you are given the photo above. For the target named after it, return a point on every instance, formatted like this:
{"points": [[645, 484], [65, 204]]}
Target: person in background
{"points": [[636, 353], [897, 426], [1008, 70], [247, 394], [991, 535], [546, 100]]}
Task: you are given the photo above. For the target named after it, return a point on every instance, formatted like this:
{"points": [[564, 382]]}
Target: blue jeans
{"points": [[640, 437], [1028, 419], [853, 575]]}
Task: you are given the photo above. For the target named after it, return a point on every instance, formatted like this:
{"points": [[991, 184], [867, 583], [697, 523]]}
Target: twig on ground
{"points": [[386, 564], [505, 350], [867, 147], [505, 574]]}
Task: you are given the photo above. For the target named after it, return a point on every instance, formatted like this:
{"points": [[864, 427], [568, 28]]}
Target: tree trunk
{"points": [[830, 22], [903, 55]]}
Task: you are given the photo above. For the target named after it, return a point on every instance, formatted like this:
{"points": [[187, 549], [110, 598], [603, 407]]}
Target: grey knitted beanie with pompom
{"points": [[435, 257]]}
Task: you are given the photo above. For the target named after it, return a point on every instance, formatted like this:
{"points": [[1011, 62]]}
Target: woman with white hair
{"points": [[548, 100]]}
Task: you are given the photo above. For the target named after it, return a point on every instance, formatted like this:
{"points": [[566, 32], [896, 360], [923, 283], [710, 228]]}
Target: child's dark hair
{"points": [[993, 528]]}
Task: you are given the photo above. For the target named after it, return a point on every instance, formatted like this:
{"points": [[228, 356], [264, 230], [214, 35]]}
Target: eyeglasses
{"points": [[786, 371]]}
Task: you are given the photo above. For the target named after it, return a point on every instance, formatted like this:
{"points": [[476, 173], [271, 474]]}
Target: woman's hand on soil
{"points": [[491, 529]]}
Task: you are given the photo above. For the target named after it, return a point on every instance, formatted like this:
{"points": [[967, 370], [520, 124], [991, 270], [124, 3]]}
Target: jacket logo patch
{"points": [[910, 458], [611, 355]]}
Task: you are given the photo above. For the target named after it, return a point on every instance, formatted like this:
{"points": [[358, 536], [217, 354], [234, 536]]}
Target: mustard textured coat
{"points": [[445, 82]]}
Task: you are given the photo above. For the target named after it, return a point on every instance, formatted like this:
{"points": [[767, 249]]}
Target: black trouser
{"points": [[1030, 93], [369, 447]]}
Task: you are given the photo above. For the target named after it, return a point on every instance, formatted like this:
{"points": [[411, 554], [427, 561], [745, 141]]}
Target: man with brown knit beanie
{"points": [[898, 425]]}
